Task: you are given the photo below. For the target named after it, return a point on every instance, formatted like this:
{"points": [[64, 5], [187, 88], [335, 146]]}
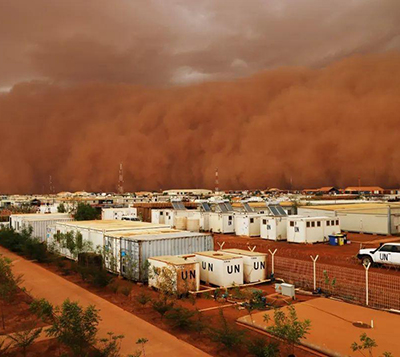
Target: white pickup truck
{"points": [[388, 253]]}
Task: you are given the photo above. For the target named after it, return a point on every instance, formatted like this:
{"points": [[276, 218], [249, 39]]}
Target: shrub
{"points": [[85, 212], [74, 326], [162, 306], [180, 318], [143, 298], [260, 348], [42, 308], [126, 290], [226, 335], [24, 339], [109, 347]]}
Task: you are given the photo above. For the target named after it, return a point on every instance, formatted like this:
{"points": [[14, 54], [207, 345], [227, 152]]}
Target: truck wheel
{"points": [[366, 260]]}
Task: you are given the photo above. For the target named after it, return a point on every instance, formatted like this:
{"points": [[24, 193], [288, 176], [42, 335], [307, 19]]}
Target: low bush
{"points": [[162, 306], [143, 298], [261, 348], [226, 335], [180, 318]]}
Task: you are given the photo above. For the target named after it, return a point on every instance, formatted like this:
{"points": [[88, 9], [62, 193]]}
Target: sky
{"points": [[88, 84]]}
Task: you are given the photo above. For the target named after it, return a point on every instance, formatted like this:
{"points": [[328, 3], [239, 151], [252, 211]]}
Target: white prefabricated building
{"points": [[222, 222], [38, 222], [273, 228], [94, 231], [118, 213], [220, 269], [130, 250], [247, 224], [311, 229], [180, 271], [374, 218], [254, 264]]}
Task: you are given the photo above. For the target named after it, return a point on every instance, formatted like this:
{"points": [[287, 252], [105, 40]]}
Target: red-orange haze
{"points": [[312, 126]]}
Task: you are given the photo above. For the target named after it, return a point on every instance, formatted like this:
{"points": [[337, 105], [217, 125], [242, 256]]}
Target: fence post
{"points": [[273, 261], [366, 283], [315, 270]]}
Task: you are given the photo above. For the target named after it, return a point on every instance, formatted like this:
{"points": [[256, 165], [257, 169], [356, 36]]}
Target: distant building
{"points": [[368, 190]]}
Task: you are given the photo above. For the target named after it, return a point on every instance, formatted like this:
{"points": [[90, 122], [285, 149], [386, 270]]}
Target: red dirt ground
{"points": [[336, 255], [212, 318], [17, 315]]}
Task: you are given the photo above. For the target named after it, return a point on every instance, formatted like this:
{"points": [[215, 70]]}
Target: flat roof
{"points": [[302, 218], [218, 255], [141, 235], [243, 252], [41, 215], [176, 259], [113, 225], [357, 207]]}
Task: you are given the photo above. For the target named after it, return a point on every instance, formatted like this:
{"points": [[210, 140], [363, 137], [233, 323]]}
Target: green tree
{"points": [[110, 346], [74, 326], [142, 341], [85, 212], [61, 208], [8, 285], [24, 339], [288, 327], [366, 345], [73, 242]]}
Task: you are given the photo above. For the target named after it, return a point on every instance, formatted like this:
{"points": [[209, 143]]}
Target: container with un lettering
{"points": [[221, 269], [179, 274], [254, 264]]}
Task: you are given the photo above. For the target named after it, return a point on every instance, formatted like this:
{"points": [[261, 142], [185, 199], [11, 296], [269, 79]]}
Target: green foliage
{"points": [[143, 298], [162, 306], [226, 335], [142, 341], [366, 344], [126, 290], [8, 284], [329, 283], [85, 212], [61, 208], [74, 326], [73, 242], [287, 326], [42, 309], [260, 348], [110, 346], [180, 318], [24, 339]]}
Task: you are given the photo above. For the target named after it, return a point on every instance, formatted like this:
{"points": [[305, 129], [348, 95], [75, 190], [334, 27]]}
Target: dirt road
{"points": [[42, 283]]}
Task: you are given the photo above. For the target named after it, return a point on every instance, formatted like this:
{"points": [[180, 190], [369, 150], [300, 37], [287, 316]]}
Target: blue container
{"points": [[333, 240]]}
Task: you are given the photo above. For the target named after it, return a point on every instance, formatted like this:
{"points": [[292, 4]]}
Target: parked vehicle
{"points": [[388, 253]]}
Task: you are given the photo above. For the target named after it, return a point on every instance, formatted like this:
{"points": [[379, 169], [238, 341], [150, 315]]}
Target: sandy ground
{"points": [[332, 329], [337, 255], [42, 283]]}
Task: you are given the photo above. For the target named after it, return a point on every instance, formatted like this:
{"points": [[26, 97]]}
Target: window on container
{"points": [[318, 224], [312, 224], [291, 224], [161, 213], [332, 223], [289, 212], [230, 218], [328, 223], [251, 220], [337, 222], [308, 224], [264, 221]]}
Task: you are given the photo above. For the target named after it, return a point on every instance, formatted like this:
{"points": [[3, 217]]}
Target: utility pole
{"points": [[216, 181], [120, 187]]}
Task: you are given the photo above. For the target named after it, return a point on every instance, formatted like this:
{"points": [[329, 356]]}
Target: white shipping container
{"points": [[254, 264], [273, 228], [221, 269], [181, 273], [94, 231], [130, 251], [38, 222]]}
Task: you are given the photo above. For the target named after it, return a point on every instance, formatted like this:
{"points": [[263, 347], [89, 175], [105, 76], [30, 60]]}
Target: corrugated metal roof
{"points": [[113, 225]]}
